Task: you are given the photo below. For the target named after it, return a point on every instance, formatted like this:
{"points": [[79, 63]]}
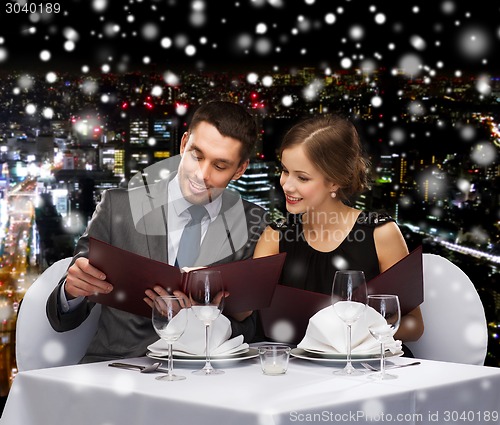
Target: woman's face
{"points": [[306, 188]]}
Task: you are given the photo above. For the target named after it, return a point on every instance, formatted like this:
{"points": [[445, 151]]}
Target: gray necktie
{"points": [[189, 245]]}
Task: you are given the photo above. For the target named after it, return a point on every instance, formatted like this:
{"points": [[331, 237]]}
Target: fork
{"points": [[396, 366]]}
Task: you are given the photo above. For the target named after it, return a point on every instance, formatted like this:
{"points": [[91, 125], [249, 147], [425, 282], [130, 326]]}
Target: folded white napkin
{"points": [[327, 333], [192, 341]]}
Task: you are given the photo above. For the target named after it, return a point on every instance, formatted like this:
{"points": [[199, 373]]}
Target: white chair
{"points": [[455, 323], [38, 345]]}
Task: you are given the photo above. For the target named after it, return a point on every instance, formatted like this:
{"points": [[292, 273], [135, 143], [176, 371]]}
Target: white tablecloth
{"points": [[431, 393]]}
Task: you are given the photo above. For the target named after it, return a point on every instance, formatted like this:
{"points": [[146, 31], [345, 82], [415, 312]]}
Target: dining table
{"points": [[431, 392]]}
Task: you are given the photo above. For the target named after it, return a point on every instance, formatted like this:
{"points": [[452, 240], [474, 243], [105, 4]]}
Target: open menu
{"points": [[250, 283], [404, 279], [287, 317]]}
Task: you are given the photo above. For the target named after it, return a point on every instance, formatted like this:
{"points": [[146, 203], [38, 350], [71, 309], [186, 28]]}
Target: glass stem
{"points": [[349, 365], [382, 359], [208, 366], [170, 365]]}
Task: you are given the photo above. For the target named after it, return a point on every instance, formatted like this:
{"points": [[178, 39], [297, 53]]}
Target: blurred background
{"points": [[91, 92]]}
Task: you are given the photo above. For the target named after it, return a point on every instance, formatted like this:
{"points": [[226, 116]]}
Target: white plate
{"points": [[182, 355], [342, 356], [249, 353], [338, 358]]}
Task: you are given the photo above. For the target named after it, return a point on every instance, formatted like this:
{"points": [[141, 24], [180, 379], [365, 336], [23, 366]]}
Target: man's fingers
{"points": [[160, 290], [84, 280], [84, 265], [153, 294], [89, 283], [184, 299]]}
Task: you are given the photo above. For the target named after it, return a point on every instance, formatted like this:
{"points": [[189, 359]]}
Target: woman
{"points": [[322, 167]]}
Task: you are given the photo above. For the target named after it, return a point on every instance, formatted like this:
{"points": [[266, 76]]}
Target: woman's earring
{"points": [[333, 195]]}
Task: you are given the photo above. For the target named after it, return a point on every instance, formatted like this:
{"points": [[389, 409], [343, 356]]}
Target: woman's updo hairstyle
{"points": [[332, 143]]}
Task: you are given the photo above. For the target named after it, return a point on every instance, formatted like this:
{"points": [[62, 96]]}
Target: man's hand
{"points": [[151, 294], [83, 279]]}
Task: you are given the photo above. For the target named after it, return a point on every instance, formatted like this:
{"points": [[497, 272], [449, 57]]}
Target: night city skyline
{"points": [[99, 90], [251, 35]]}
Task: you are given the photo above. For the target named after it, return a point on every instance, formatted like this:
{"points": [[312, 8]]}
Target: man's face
{"points": [[209, 162]]}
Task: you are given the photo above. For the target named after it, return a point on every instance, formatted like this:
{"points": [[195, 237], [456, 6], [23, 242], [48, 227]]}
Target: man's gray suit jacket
{"points": [[121, 334]]}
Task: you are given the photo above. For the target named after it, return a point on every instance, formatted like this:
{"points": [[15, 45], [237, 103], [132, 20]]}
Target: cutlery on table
{"points": [[155, 367], [396, 366]]}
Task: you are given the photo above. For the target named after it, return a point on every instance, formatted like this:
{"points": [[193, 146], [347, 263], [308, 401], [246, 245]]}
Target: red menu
{"points": [[294, 307], [250, 283], [404, 279]]}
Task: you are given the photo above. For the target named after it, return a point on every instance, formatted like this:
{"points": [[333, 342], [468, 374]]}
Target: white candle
{"points": [[273, 369]]}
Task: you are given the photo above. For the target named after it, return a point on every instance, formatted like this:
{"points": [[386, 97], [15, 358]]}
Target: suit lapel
{"points": [[155, 220], [151, 205], [156, 231]]}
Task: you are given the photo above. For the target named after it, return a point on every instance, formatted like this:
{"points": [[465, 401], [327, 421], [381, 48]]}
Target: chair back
{"points": [[454, 319], [38, 345]]}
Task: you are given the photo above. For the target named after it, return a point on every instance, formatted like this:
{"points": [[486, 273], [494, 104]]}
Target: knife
{"points": [[143, 369]]}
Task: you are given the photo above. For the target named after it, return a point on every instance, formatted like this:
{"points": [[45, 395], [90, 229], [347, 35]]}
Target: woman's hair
{"points": [[230, 120], [332, 144]]}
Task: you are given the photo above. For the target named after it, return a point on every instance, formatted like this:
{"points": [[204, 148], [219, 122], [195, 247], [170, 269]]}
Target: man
{"points": [[150, 219]]}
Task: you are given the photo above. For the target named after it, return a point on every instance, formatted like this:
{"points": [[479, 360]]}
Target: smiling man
{"points": [[150, 218], [208, 163]]}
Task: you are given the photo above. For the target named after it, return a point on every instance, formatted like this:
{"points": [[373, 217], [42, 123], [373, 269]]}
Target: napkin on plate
{"points": [[192, 341], [327, 333]]}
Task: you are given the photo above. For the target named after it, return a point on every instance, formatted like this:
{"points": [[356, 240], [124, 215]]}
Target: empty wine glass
{"points": [[349, 302], [206, 294], [169, 319], [388, 307]]}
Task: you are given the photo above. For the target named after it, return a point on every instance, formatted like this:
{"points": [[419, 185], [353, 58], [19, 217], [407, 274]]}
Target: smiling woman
{"points": [[323, 167]]}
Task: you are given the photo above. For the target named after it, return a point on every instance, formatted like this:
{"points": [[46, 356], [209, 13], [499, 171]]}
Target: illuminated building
{"points": [[257, 185], [153, 136]]}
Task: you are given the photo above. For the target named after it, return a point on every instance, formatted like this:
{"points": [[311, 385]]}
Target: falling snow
{"points": [[419, 42], [484, 153]]}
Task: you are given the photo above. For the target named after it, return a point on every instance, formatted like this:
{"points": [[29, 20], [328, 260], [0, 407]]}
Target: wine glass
{"points": [[349, 302], [169, 319], [206, 294], [388, 307]]}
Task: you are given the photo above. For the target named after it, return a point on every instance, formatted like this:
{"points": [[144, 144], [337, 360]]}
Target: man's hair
{"points": [[230, 120]]}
